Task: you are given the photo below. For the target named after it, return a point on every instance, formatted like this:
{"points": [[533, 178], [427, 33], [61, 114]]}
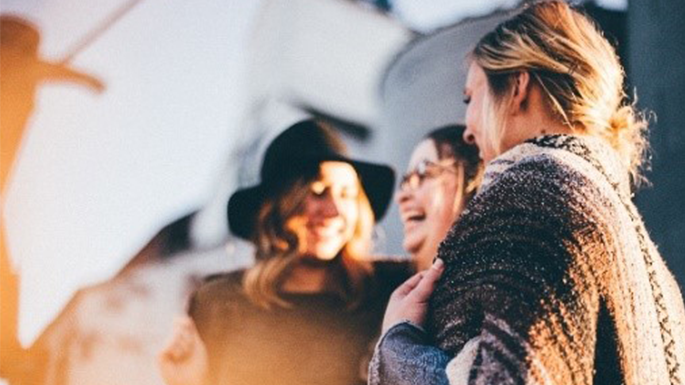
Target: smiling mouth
{"points": [[326, 232], [417, 217], [413, 219]]}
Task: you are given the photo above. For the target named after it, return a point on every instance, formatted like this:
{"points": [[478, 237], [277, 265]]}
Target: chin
{"points": [[411, 247], [327, 253]]}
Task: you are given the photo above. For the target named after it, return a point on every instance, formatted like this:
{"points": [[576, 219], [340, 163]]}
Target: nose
{"points": [[329, 207], [469, 138], [403, 195]]}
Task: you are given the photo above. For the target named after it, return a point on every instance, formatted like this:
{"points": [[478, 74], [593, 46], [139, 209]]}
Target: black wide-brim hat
{"points": [[297, 153]]}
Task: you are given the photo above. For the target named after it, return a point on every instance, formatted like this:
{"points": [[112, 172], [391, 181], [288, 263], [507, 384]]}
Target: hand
{"points": [[410, 300], [183, 361]]}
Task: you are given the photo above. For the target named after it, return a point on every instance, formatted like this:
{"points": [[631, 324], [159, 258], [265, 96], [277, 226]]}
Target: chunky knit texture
{"points": [[553, 278]]}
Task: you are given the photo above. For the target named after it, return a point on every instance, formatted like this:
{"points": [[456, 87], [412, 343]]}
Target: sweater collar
{"points": [[591, 151]]}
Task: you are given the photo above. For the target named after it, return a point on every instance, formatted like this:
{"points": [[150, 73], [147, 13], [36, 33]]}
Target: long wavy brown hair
{"points": [[280, 240]]}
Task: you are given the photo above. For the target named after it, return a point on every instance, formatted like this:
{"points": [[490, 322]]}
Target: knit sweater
{"points": [[551, 277]]}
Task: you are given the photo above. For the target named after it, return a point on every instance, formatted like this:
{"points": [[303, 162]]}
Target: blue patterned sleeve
{"points": [[404, 357]]}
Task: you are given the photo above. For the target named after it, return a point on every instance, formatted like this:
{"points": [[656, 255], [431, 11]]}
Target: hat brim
{"points": [[243, 208], [377, 180]]}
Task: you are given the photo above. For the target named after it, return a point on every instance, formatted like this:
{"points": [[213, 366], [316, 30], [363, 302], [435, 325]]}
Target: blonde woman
{"points": [[550, 276], [308, 310]]}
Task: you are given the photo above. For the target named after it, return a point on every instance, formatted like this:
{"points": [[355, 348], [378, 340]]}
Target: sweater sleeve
{"points": [[403, 356], [518, 283]]}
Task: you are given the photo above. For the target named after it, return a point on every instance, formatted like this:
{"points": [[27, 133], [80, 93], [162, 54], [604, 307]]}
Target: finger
{"points": [[184, 322], [424, 288], [409, 284], [181, 341], [168, 355], [175, 350]]}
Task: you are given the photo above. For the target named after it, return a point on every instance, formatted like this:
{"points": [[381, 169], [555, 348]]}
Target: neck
{"points": [[310, 278], [424, 257], [533, 127], [552, 128], [533, 119]]}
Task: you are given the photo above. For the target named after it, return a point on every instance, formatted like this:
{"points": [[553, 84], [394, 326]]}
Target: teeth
{"points": [[326, 231], [415, 217], [411, 213]]}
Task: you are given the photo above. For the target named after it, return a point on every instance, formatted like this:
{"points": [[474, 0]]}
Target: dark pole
{"points": [[657, 52], [98, 31]]}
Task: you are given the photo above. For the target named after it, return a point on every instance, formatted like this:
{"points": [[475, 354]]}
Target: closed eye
{"points": [[349, 193], [318, 189]]}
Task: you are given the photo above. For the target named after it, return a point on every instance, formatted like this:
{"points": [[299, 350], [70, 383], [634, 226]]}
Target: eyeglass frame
{"points": [[413, 180]]}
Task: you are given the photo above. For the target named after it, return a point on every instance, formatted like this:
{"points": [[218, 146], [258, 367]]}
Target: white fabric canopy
{"points": [[98, 175]]}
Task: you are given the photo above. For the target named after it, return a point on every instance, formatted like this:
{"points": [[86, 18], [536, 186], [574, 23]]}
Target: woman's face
{"points": [[331, 210], [475, 92], [429, 200]]}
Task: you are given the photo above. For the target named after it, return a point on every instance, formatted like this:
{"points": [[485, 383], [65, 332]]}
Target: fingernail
{"points": [[438, 263]]}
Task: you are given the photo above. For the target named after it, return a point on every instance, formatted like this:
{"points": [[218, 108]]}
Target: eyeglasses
{"points": [[425, 169]]}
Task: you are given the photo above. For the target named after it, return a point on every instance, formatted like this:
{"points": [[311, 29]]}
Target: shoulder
{"points": [[582, 168], [527, 215], [544, 166], [546, 182], [227, 278], [221, 282], [535, 199], [217, 290]]}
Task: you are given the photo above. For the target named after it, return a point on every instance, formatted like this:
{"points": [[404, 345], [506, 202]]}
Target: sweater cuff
{"points": [[404, 356], [406, 330]]}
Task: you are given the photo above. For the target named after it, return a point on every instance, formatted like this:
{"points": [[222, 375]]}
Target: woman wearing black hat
{"points": [[309, 308]]}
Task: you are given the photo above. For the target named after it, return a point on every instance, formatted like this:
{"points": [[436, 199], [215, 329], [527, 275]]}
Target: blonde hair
{"points": [[576, 68], [280, 239]]}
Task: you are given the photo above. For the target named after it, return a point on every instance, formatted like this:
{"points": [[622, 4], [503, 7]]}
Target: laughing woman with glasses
{"points": [[444, 173]]}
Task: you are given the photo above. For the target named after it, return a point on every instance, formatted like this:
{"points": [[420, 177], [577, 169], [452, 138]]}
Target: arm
{"points": [[404, 354], [520, 282], [183, 361]]}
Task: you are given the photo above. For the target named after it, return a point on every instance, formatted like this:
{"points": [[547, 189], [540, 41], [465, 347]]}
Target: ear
{"points": [[521, 91]]}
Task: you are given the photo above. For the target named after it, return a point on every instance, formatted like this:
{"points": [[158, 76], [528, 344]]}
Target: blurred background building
{"points": [[116, 210]]}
